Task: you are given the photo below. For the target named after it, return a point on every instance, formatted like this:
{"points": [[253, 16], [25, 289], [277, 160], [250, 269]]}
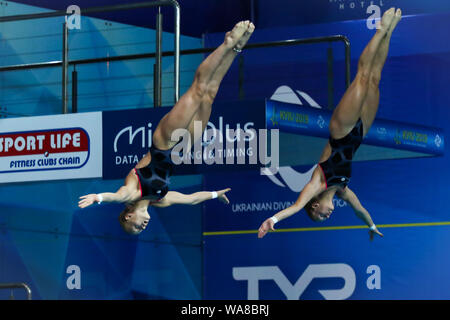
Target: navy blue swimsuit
{"points": [[337, 169], [154, 179]]}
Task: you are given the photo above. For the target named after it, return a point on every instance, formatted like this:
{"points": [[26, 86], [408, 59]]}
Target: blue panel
{"points": [[406, 198], [225, 116], [401, 196], [410, 262], [286, 12], [41, 238]]}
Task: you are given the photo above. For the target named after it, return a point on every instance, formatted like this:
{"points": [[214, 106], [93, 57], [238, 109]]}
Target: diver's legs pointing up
{"points": [[181, 115], [370, 105], [349, 108], [204, 112]]}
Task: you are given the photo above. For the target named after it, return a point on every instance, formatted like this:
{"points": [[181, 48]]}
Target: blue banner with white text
{"points": [[297, 119], [230, 137]]}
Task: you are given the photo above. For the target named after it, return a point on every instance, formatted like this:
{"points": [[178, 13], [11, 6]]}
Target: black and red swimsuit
{"points": [[337, 169], [154, 179]]}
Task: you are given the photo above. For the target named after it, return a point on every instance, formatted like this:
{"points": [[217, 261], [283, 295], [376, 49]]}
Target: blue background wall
{"points": [[218, 15], [42, 236], [412, 259]]}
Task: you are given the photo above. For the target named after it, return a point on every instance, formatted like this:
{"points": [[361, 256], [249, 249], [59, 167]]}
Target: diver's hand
{"points": [[87, 200], [222, 197], [373, 232], [265, 227]]}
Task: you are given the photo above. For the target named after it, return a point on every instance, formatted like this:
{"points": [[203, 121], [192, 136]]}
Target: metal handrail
{"points": [[17, 286], [158, 54], [291, 42], [99, 9]]}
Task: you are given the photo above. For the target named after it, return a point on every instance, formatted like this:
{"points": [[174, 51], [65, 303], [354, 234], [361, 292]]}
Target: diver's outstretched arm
{"points": [[349, 196], [127, 193], [174, 197], [313, 188], [124, 194]]}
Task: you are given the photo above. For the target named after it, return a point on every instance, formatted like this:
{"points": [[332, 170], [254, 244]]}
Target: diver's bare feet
{"points": [[247, 34], [386, 20], [395, 21], [232, 37]]}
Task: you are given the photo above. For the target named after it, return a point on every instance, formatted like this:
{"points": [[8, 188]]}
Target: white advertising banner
{"points": [[58, 147]]}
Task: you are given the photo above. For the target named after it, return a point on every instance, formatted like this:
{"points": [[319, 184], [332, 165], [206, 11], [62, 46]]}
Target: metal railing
{"points": [[158, 55], [4, 286], [121, 7]]}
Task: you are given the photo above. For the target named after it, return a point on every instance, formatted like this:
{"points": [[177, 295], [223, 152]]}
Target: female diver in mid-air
{"points": [[349, 123], [147, 184]]}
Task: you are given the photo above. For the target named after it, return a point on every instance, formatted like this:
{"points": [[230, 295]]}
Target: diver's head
{"points": [[134, 218], [320, 208]]}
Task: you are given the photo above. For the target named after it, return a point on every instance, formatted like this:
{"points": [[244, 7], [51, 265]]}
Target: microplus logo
{"points": [[217, 144], [145, 134], [44, 150], [213, 132]]}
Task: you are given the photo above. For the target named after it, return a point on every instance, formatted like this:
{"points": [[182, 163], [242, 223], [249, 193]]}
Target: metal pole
{"points": [[158, 60], [91, 10], [74, 91], [17, 286], [330, 77], [65, 66], [252, 12], [347, 61], [177, 53], [241, 78], [272, 44], [177, 50]]}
